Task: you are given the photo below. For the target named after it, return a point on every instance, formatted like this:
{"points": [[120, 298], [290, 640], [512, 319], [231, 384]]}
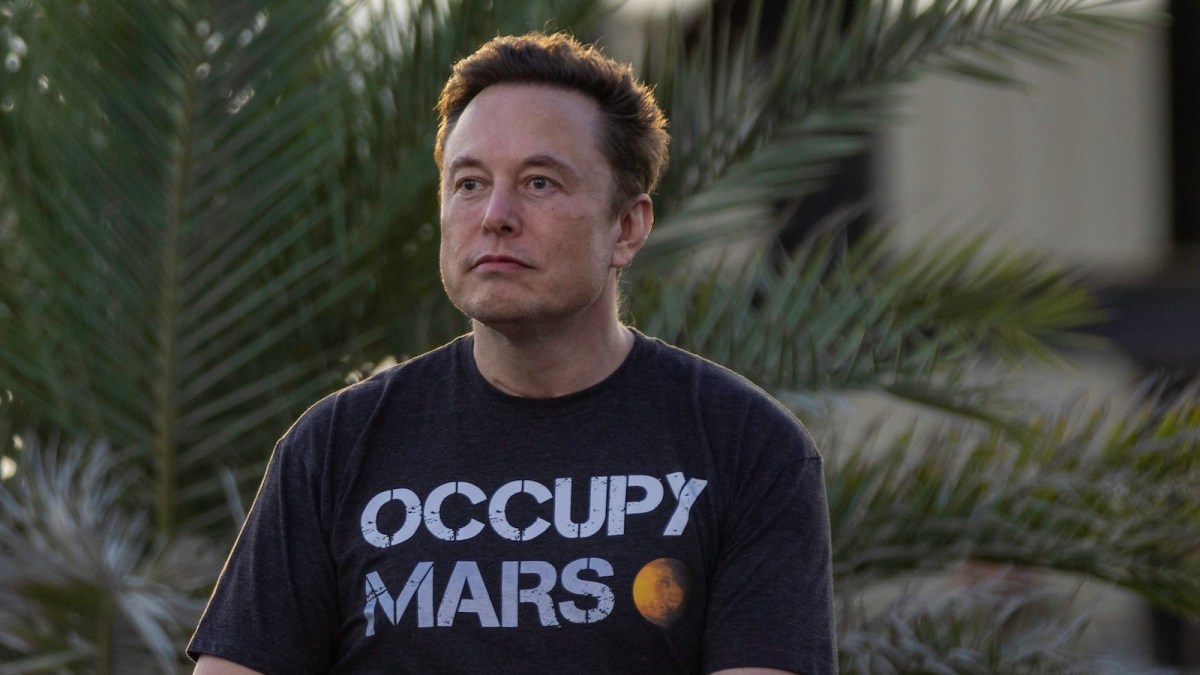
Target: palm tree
{"points": [[212, 213]]}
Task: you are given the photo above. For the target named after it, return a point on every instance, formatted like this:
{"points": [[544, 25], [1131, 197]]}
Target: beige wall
{"points": [[1074, 163]]}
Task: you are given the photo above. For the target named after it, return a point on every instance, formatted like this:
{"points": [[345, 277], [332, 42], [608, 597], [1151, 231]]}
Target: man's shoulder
{"points": [[414, 377], [437, 363], [709, 378], [728, 401]]}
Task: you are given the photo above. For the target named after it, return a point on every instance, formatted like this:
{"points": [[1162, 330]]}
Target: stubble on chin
{"points": [[523, 319]]}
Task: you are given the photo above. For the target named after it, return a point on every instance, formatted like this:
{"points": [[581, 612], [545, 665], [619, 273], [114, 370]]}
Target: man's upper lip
{"points": [[491, 258]]}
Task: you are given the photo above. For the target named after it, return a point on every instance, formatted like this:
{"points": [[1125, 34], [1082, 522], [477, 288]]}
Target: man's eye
{"points": [[539, 183], [468, 185]]}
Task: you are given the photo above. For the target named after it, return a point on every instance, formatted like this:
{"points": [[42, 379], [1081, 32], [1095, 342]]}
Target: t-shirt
{"points": [[670, 519]]}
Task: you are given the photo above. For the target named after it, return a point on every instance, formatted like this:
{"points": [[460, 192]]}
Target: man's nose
{"points": [[501, 216]]}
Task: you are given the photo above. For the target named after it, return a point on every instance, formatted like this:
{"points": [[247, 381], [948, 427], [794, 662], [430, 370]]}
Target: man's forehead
{"points": [[531, 100], [529, 124]]}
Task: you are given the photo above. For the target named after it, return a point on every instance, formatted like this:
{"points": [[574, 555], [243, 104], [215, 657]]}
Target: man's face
{"points": [[528, 232]]}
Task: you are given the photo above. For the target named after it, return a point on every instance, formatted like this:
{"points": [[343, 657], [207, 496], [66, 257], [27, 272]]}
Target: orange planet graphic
{"points": [[660, 589]]}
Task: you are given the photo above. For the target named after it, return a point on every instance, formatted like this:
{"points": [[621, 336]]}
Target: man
{"points": [[552, 491]]}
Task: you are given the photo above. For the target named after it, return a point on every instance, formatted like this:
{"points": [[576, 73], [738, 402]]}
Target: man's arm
{"points": [[211, 665]]}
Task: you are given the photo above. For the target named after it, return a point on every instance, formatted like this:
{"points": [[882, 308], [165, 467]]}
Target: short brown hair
{"points": [[634, 136]]}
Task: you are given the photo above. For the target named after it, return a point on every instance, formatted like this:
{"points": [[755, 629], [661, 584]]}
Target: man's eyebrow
{"points": [[463, 161], [566, 171], [549, 161], [537, 160]]}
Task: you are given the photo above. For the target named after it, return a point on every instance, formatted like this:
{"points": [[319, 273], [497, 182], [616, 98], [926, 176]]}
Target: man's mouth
{"points": [[498, 263]]}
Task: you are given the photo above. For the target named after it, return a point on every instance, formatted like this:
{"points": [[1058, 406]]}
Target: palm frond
{"points": [[993, 627], [82, 579], [836, 316], [1108, 494], [174, 242]]}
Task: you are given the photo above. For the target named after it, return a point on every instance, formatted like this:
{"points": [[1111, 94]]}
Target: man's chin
{"points": [[522, 316], [498, 316], [517, 323]]}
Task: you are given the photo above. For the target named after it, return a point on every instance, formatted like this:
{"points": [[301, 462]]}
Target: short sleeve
{"points": [[770, 602], [274, 606]]}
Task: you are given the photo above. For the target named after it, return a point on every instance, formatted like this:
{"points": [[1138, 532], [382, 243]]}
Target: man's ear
{"points": [[635, 220]]}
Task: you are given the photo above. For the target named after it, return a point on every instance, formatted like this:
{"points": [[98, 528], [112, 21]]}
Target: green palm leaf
{"points": [[1104, 493], [177, 256], [837, 317]]}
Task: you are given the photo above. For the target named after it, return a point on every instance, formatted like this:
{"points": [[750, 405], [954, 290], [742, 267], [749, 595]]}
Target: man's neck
{"points": [[546, 364]]}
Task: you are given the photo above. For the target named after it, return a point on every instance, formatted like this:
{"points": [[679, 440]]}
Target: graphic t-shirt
{"points": [[670, 519]]}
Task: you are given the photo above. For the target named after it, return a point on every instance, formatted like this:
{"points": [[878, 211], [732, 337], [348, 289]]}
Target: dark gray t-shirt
{"points": [[670, 519]]}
